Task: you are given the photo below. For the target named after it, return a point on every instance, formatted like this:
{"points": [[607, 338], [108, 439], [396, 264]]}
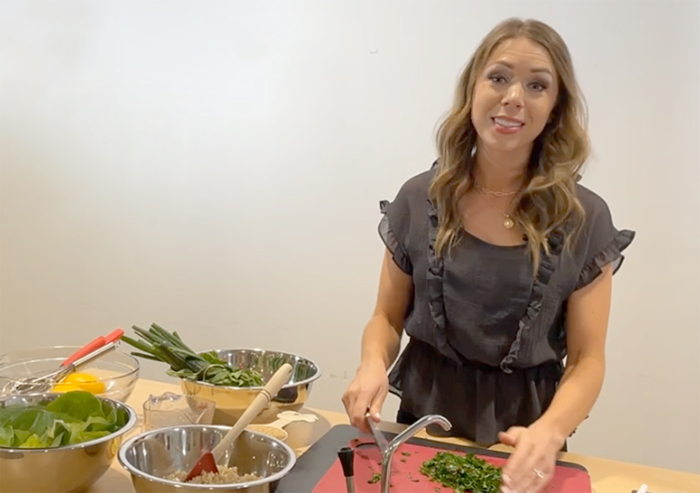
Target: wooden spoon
{"points": [[207, 463]]}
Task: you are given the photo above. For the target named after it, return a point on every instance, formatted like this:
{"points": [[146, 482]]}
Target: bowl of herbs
{"points": [[232, 378]]}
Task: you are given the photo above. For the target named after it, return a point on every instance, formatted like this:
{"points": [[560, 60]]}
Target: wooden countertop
{"points": [[608, 476]]}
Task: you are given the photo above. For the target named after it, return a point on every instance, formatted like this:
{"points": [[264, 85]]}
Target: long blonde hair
{"points": [[549, 200]]}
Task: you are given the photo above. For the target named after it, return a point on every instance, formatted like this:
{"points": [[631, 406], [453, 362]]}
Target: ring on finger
{"points": [[539, 473]]}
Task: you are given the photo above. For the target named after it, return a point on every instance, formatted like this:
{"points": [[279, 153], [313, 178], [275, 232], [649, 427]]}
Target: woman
{"points": [[498, 265]]}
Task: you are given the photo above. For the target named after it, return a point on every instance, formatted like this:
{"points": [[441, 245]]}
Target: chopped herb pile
{"points": [[463, 473], [160, 345], [376, 477], [74, 417]]}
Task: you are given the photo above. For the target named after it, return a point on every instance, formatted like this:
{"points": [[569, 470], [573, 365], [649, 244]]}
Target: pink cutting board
{"points": [[406, 476]]}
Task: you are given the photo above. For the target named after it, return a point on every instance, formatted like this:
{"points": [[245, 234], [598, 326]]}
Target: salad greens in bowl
{"points": [[59, 442]]}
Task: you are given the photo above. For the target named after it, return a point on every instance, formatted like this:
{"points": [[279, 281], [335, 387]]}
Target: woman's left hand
{"points": [[531, 467]]}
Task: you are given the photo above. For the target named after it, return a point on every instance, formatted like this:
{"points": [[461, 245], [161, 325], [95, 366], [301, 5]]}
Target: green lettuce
{"points": [[74, 417]]}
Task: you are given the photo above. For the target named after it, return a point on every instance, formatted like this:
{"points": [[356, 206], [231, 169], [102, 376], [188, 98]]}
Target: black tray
{"points": [[315, 462]]}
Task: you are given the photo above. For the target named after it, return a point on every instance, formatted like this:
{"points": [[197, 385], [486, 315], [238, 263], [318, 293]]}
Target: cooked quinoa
{"points": [[272, 431], [226, 475]]}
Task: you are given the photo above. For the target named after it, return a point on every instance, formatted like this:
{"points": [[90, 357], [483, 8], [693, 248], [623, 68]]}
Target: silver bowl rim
{"points": [[136, 369], [316, 376], [133, 420], [131, 469]]}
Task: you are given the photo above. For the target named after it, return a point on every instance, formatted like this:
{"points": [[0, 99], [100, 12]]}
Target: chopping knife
{"points": [[379, 437]]}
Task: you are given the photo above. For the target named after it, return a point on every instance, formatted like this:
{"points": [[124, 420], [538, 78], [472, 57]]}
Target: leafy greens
{"points": [[160, 345], [463, 473], [74, 417]]}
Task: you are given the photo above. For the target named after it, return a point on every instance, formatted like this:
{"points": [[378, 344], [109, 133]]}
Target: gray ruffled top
{"points": [[487, 337]]}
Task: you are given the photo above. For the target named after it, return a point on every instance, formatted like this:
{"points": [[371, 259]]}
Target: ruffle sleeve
{"points": [[394, 228], [603, 243]]}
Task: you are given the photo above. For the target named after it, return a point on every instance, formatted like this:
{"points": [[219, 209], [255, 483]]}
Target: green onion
{"points": [[160, 345]]}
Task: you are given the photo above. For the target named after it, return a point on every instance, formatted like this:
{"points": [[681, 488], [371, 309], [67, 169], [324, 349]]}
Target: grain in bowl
{"points": [[272, 431], [226, 475]]}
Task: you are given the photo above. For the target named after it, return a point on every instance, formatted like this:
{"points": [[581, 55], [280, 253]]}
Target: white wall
{"points": [[216, 167]]}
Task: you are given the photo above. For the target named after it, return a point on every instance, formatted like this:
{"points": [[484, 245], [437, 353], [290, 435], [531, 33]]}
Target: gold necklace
{"points": [[497, 194], [507, 222]]}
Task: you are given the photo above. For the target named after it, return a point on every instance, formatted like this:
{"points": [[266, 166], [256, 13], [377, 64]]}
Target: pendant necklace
{"points": [[508, 223]]}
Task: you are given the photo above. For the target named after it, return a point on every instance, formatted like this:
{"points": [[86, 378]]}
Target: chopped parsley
{"points": [[463, 473]]}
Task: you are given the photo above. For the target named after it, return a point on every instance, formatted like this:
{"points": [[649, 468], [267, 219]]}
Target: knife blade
{"points": [[379, 437]]}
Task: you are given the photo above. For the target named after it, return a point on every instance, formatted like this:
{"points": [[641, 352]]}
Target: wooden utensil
{"points": [[207, 463]]}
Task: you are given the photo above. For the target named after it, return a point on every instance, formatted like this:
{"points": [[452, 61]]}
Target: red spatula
{"points": [[207, 463]]}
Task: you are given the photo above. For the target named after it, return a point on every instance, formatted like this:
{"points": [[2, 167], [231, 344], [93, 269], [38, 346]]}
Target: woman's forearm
{"points": [[381, 342], [587, 322], [576, 395]]}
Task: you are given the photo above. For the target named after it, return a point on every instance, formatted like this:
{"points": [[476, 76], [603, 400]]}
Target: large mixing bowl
{"points": [[66, 469], [231, 402], [154, 455], [116, 372]]}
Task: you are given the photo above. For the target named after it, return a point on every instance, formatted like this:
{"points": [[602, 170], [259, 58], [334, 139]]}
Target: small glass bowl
{"points": [[116, 372], [169, 409]]}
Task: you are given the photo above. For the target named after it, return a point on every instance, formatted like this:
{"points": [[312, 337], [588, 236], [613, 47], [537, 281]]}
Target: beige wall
{"points": [[216, 167]]}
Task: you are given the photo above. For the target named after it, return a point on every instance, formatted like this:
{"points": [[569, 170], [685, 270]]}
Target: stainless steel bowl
{"points": [[231, 402], [59, 470], [152, 456]]}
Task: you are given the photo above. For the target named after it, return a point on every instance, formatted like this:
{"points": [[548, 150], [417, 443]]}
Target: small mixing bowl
{"points": [[153, 455], [231, 402], [115, 370], [63, 469], [273, 431]]}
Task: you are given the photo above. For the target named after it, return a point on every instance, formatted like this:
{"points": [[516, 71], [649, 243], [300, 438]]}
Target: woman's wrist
{"points": [[556, 430], [373, 362]]}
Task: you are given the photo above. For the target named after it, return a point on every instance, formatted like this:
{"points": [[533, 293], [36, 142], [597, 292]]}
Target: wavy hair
{"points": [[548, 202]]}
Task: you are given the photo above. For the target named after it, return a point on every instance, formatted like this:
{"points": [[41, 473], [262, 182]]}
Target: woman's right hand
{"points": [[381, 343], [368, 389]]}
